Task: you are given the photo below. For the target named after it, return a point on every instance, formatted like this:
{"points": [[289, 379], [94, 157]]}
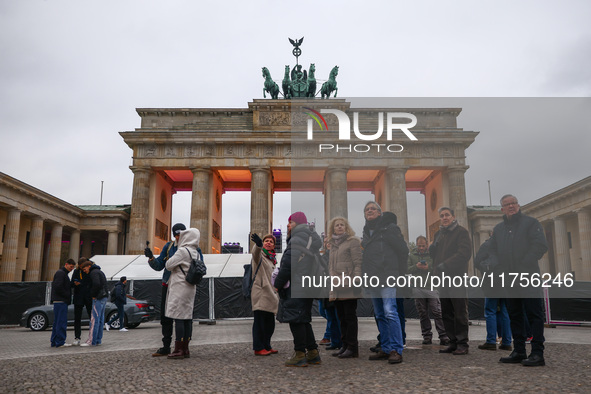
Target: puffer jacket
{"points": [[99, 289], [296, 310], [385, 251], [180, 296], [345, 259]]}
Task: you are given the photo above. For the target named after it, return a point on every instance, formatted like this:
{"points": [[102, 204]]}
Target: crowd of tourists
{"points": [[515, 246]]}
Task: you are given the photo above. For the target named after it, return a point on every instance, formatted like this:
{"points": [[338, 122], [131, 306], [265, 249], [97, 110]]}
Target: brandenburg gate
{"points": [[265, 148]]}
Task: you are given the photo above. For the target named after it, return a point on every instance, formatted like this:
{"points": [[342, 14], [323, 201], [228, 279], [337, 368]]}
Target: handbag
{"points": [[248, 279], [197, 270]]}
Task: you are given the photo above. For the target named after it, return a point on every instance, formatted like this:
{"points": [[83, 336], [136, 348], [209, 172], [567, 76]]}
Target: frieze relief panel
{"points": [[275, 118]]}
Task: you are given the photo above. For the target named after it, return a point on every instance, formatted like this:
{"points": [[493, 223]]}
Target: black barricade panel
{"points": [[229, 301], [571, 304], [15, 298]]}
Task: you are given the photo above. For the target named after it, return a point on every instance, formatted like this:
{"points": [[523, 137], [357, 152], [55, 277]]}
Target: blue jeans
{"points": [[60, 324], [490, 314], [97, 321], [333, 325], [386, 315], [120, 315]]}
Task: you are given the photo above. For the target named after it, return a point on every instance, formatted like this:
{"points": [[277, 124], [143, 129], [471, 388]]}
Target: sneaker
{"points": [[76, 342], [313, 357], [107, 326], [263, 352], [324, 341], [528, 340], [65, 345], [297, 360], [85, 344], [123, 329]]}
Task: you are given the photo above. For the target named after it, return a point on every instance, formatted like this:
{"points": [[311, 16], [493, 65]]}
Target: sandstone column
{"points": [[457, 194], [562, 251], [55, 251], [335, 193], [260, 201], [201, 204], [33, 271], [10, 250], [545, 264], [396, 185], [140, 210], [87, 246], [112, 242], [584, 218], [483, 235], [74, 245]]}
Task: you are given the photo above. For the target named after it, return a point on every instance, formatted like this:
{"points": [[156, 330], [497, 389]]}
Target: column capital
{"points": [[458, 168], [397, 169], [337, 168], [196, 169], [136, 169], [259, 169]]}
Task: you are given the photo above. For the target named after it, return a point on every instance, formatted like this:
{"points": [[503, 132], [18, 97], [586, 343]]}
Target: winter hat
{"points": [[177, 228], [298, 217], [123, 279]]}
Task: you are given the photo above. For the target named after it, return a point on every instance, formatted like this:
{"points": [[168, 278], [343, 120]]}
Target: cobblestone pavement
{"points": [[222, 361]]}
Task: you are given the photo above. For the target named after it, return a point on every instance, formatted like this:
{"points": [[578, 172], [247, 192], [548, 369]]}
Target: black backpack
{"points": [[197, 270]]}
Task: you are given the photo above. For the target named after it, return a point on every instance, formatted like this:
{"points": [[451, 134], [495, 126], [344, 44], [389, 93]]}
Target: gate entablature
{"points": [[264, 147]]}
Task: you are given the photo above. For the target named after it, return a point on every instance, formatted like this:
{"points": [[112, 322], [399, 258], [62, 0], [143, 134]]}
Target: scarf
{"points": [[271, 256], [339, 239], [451, 227]]}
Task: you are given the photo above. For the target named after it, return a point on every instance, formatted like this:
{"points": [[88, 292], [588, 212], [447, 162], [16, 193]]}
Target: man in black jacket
{"points": [[61, 296], [451, 250], [81, 284], [515, 247], [119, 298]]}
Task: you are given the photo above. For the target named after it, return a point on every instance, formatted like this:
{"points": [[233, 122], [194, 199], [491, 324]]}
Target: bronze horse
{"points": [[286, 85], [270, 86], [331, 85], [311, 82]]}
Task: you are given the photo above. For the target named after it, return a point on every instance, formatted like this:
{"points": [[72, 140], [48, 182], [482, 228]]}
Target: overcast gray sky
{"points": [[72, 74]]}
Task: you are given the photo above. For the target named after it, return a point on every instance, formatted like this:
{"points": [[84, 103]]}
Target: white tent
{"points": [[136, 267]]}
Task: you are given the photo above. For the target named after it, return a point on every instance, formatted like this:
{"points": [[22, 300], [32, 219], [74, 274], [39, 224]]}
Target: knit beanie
{"points": [[298, 217]]}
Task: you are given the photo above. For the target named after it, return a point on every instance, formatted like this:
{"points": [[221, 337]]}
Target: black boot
{"points": [[163, 351]]}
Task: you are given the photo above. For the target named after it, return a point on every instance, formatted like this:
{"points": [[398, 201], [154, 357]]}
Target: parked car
{"points": [[40, 317]]}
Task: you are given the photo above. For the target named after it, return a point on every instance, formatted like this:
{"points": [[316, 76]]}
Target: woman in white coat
{"points": [[181, 294]]}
